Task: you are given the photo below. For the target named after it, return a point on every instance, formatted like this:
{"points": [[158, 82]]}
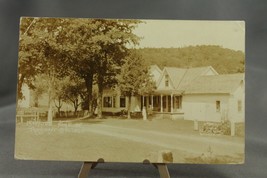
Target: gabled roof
{"points": [[181, 77], [157, 69], [175, 75], [220, 84], [192, 74]]}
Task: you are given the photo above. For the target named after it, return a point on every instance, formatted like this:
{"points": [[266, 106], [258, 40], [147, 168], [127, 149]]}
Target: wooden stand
{"points": [[87, 166], [163, 170]]}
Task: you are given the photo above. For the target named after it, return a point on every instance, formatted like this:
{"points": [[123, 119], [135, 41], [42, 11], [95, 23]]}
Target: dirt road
{"points": [[120, 141]]}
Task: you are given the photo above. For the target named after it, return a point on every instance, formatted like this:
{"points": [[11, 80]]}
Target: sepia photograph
{"points": [[131, 90]]}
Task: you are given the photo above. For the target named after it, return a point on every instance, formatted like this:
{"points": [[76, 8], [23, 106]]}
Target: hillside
{"points": [[221, 59]]}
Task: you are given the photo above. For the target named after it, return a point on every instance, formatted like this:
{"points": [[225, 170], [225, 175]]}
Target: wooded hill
{"points": [[223, 60]]}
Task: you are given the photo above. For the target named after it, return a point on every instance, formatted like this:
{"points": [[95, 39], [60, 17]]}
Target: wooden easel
{"points": [[87, 166]]}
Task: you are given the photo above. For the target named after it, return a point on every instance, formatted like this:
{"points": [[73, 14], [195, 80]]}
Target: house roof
{"points": [[222, 84], [192, 74], [155, 68], [175, 75], [181, 77]]}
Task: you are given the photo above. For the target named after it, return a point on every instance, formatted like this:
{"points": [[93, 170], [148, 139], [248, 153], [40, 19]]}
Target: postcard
{"points": [[131, 90]]}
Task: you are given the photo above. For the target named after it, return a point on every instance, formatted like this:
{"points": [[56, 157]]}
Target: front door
{"points": [[166, 103]]}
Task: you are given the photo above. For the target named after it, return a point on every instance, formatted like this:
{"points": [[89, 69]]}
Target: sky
{"points": [[181, 33]]}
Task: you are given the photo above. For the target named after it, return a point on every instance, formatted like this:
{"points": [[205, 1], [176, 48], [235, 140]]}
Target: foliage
{"points": [[221, 59], [59, 93], [39, 38], [134, 78], [111, 38], [90, 49], [39, 88], [74, 92]]}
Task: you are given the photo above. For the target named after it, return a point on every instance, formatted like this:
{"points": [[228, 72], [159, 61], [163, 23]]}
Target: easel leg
{"points": [[163, 170], [87, 166], [85, 169]]}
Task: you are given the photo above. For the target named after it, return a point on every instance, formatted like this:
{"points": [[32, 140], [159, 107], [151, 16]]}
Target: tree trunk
{"points": [[36, 101], [99, 97], [75, 110], [58, 106], [129, 106], [50, 115], [58, 110], [50, 91], [50, 110], [89, 87], [20, 83], [76, 105]]}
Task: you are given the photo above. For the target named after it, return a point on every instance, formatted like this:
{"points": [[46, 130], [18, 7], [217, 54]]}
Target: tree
{"points": [[111, 38], [39, 38], [92, 48], [39, 86], [79, 48], [28, 66], [73, 92], [134, 79], [59, 95]]}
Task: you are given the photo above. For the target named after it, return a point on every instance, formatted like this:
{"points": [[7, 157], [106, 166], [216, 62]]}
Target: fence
{"points": [[27, 115]]}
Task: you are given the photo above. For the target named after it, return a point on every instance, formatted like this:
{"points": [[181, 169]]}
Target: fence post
{"points": [[195, 125], [232, 128]]}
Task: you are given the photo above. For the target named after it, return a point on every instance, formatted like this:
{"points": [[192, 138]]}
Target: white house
{"points": [[198, 93], [171, 86]]}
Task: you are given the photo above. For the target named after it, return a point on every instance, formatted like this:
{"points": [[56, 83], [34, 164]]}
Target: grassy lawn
{"points": [[123, 140], [166, 125]]}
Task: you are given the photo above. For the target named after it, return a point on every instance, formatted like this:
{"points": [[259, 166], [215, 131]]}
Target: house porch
{"points": [[164, 104]]}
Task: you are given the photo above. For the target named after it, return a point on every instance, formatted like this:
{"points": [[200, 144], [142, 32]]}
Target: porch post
{"points": [[167, 103], [161, 103], [171, 103]]}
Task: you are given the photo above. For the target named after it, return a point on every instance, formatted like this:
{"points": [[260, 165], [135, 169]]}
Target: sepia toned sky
{"points": [[175, 33]]}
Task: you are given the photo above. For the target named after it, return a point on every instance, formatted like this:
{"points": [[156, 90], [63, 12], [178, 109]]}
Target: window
{"points": [[239, 105], [166, 80], [122, 102], [177, 102], [107, 101], [114, 102], [218, 106]]}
